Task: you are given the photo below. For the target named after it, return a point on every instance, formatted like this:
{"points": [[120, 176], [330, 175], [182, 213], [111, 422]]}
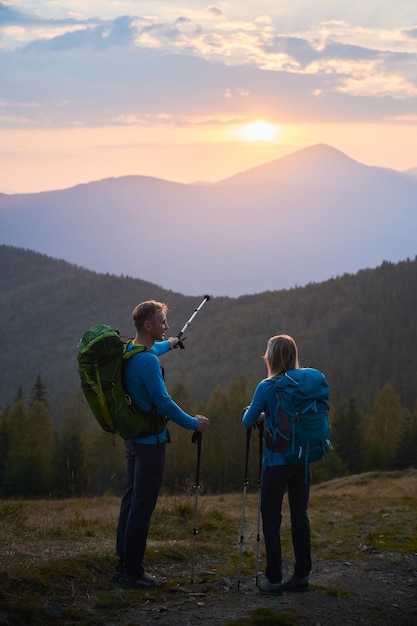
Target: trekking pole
{"points": [[188, 322], [258, 535], [196, 438], [245, 487]]}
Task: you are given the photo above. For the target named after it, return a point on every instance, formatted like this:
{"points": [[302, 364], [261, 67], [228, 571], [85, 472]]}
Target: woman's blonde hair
{"points": [[281, 355]]}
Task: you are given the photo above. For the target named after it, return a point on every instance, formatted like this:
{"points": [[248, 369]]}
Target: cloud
{"points": [[119, 32], [296, 48], [215, 12], [410, 32], [201, 65], [12, 16]]}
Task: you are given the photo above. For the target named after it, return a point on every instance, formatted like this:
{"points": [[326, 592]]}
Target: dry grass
{"points": [[56, 557], [373, 511]]}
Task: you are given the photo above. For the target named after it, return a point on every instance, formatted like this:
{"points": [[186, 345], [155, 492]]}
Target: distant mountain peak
{"points": [[304, 217], [411, 172], [318, 166], [321, 150]]}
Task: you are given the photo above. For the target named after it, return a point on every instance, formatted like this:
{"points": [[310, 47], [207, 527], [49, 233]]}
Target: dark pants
{"points": [[144, 470], [275, 482]]}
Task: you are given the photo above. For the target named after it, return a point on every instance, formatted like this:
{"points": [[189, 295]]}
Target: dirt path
{"points": [[375, 590]]}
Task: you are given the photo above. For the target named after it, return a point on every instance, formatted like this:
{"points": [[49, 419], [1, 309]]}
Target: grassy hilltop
{"points": [[57, 557]]}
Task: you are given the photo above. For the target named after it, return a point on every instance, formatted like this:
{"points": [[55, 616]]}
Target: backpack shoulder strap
{"points": [[277, 426], [134, 349]]}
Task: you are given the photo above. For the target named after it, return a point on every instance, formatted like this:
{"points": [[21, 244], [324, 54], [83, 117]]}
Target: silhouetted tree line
{"points": [[40, 457]]}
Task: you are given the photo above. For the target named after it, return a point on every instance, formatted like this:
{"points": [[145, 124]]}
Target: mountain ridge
{"points": [[316, 163], [321, 149], [302, 218], [344, 326]]}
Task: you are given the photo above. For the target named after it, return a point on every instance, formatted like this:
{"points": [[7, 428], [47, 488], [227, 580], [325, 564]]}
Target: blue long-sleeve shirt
{"points": [[146, 386], [264, 400]]}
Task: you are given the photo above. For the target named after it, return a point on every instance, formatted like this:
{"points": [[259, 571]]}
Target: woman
{"points": [[281, 357]]}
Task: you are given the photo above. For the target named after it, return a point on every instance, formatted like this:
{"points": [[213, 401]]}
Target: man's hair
{"points": [[145, 312], [281, 355]]}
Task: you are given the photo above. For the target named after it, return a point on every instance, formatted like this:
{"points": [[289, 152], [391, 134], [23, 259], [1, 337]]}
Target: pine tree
{"points": [[4, 446], [19, 395], [407, 450], [215, 453], [348, 436], [39, 392], [28, 439], [70, 477], [105, 463], [74, 461], [42, 436], [223, 457], [15, 468], [384, 429]]}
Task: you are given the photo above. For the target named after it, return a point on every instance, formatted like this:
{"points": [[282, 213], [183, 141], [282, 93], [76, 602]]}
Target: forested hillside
{"points": [[360, 330]]}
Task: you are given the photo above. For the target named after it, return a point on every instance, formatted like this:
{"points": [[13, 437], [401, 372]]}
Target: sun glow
{"points": [[259, 131]]}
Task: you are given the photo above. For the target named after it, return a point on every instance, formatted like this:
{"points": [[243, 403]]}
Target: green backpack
{"points": [[101, 357]]}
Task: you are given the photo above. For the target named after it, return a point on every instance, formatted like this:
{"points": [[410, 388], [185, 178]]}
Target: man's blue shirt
{"points": [[146, 386]]}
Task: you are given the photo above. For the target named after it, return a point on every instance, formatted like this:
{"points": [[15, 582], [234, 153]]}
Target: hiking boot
{"points": [[146, 581], [296, 584], [117, 573], [266, 587]]}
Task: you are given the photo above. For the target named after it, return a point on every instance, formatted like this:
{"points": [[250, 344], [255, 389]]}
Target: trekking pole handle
{"points": [[188, 322]]}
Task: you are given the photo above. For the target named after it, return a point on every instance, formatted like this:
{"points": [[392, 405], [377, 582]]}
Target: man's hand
{"points": [[202, 423], [173, 342]]}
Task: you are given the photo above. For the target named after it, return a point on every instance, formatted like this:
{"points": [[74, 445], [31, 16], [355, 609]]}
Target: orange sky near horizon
{"points": [[92, 90], [42, 160]]}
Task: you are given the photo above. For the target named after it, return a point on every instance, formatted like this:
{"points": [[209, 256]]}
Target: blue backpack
{"points": [[300, 428]]}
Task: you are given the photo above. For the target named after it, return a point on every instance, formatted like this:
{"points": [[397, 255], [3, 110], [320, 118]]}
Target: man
{"points": [[145, 456]]}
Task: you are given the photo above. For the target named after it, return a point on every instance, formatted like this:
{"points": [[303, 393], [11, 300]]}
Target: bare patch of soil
{"points": [[374, 590]]}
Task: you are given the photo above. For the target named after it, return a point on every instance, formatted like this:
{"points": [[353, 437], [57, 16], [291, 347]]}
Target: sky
{"points": [[193, 91]]}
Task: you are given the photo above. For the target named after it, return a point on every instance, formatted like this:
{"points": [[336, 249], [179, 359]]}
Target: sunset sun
{"points": [[259, 131]]}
